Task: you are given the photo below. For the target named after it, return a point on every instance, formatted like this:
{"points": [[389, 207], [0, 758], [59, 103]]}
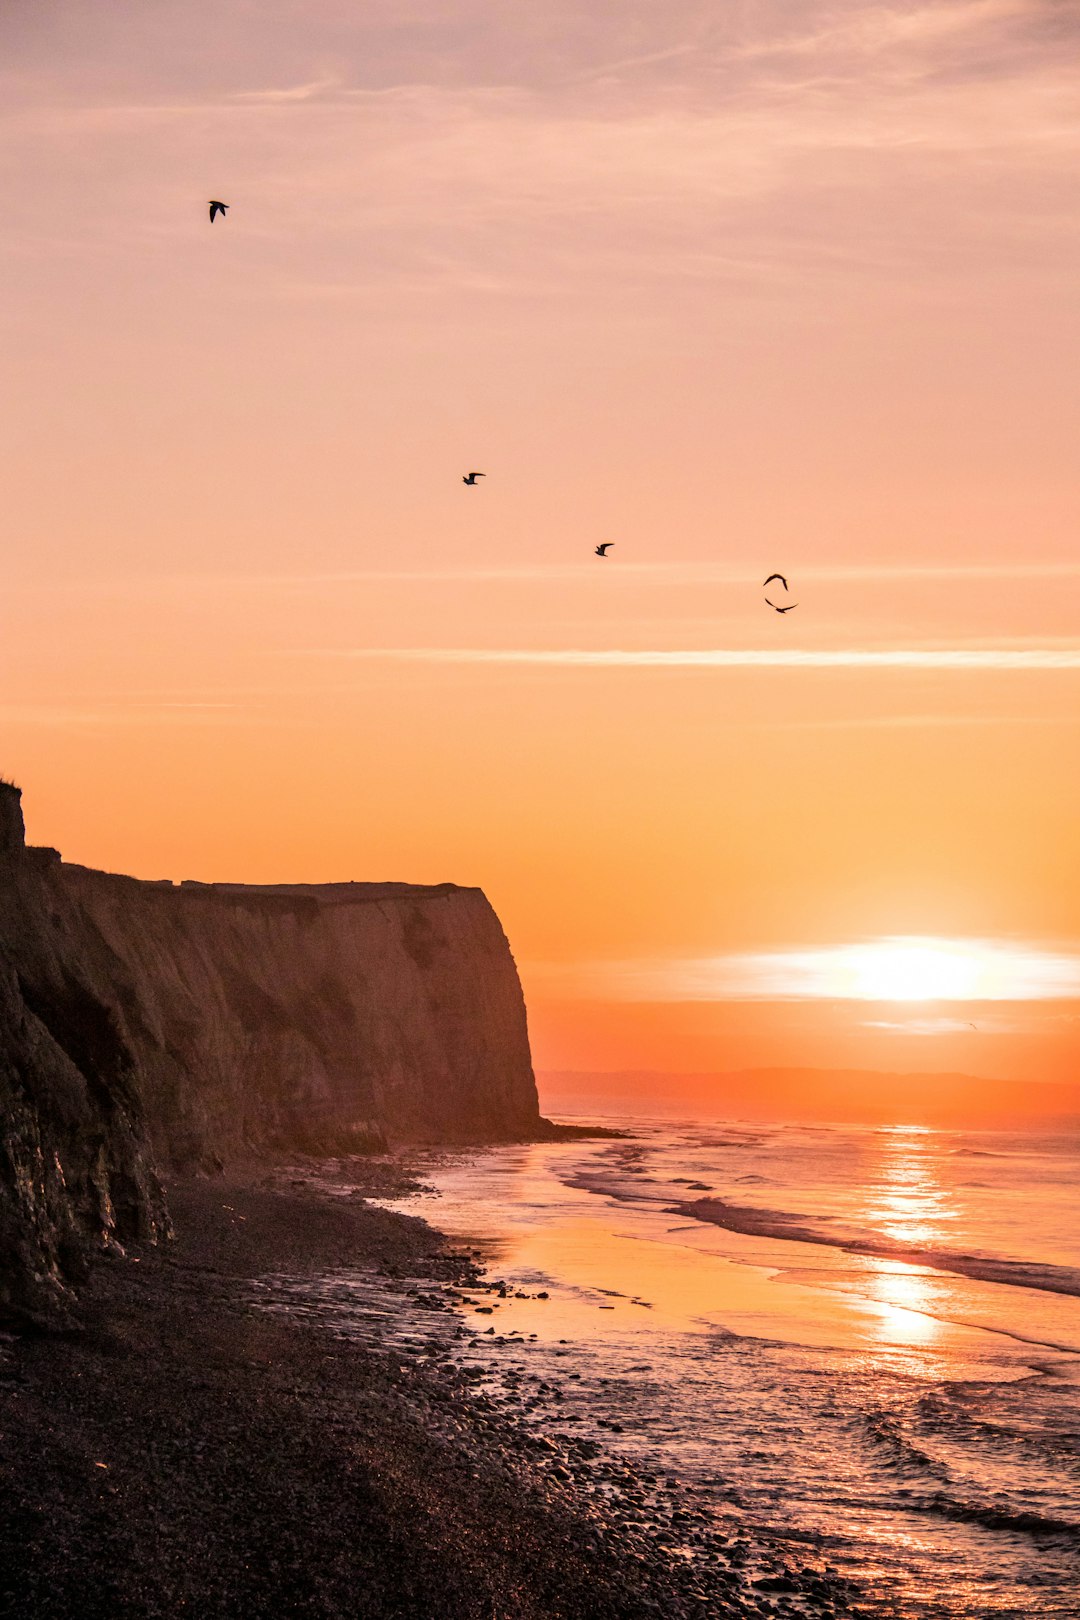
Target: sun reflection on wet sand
{"points": [[905, 1296], [614, 1270]]}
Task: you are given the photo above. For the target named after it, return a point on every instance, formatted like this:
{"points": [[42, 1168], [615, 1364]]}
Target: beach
{"points": [[858, 1341], [191, 1446]]}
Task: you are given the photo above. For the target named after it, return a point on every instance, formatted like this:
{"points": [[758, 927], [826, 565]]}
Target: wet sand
{"points": [[187, 1450]]}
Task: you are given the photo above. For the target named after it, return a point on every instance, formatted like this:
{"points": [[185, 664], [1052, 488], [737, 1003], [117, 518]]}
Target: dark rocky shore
{"points": [[184, 1450]]}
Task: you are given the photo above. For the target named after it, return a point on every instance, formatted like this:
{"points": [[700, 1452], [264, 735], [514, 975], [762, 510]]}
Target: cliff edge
{"points": [[147, 1025]]}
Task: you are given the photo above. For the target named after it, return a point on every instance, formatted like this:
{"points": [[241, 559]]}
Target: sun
{"points": [[912, 970]]}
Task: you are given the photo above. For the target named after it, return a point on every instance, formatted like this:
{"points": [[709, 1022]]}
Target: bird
{"points": [[217, 208], [773, 605], [602, 549], [470, 478]]}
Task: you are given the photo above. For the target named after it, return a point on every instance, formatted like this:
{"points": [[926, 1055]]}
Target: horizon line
{"points": [[808, 1068]]}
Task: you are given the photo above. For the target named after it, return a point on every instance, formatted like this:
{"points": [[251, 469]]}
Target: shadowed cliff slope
{"points": [[147, 1024], [307, 1017], [76, 1168]]}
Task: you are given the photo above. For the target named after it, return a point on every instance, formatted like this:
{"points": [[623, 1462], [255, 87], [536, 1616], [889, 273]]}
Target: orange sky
{"points": [[777, 286]]}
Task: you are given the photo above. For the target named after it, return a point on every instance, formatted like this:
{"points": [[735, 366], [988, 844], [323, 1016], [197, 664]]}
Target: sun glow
{"points": [[897, 968], [912, 968], [911, 971]]}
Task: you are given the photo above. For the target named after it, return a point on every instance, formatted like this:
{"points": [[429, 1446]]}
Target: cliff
{"points": [[147, 1025], [76, 1167]]}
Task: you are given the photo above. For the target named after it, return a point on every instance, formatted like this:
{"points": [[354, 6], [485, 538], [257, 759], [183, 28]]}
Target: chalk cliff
{"points": [[147, 1025]]}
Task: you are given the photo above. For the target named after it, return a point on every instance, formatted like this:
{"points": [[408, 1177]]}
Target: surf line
{"points": [[771, 1223]]}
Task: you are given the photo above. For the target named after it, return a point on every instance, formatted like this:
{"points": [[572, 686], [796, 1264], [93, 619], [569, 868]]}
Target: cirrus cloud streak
{"points": [[945, 970], [862, 658]]}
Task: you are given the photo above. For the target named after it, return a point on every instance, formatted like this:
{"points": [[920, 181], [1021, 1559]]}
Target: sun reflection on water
{"points": [[909, 1204]]}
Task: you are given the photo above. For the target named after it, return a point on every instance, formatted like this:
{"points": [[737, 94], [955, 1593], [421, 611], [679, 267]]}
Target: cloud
{"points": [[900, 968], [782, 142], [916, 722], [627, 572], [690, 574], [926, 1026], [296, 92], [130, 714], [1002, 659]]}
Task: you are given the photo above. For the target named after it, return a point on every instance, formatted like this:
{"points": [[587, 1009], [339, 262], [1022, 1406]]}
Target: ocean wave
{"points": [[750, 1140], [998, 1516], [885, 1432], [975, 1153], [775, 1223], [1031, 1424]]}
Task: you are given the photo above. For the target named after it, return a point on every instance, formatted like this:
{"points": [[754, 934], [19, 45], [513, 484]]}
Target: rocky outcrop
{"points": [[149, 1025]]}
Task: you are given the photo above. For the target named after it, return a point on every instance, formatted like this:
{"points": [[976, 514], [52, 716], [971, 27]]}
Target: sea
{"points": [[859, 1341]]}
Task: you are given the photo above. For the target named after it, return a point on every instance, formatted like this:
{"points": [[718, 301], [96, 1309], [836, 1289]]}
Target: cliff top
{"points": [[337, 893], [332, 894]]}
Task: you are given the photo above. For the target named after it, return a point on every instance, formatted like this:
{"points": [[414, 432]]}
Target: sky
{"points": [[768, 286]]}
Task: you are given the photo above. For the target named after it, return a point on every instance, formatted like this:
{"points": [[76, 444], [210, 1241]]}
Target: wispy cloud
{"points": [[940, 1026], [129, 714], [1005, 659], [625, 64], [924, 1026], [916, 722], [903, 968], [293, 93], [660, 141], [903, 36], [627, 572]]}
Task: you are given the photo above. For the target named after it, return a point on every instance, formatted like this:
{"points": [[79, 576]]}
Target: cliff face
{"points": [[145, 1023], [296, 1017], [76, 1167]]}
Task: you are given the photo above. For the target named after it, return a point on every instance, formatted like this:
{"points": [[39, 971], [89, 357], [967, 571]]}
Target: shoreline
{"points": [[186, 1448]]}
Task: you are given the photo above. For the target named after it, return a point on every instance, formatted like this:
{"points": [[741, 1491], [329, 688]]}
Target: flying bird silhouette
{"points": [[773, 605], [470, 478], [602, 550], [217, 208]]}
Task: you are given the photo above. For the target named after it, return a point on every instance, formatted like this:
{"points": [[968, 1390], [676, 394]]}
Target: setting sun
{"points": [[914, 972], [896, 967]]}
